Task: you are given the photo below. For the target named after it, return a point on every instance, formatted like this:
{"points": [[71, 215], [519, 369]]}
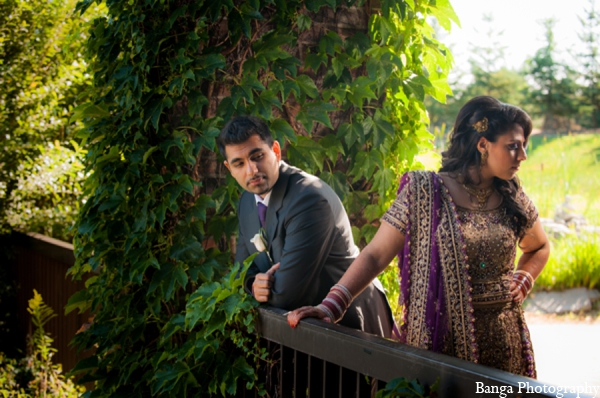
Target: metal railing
{"points": [[318, 359]]}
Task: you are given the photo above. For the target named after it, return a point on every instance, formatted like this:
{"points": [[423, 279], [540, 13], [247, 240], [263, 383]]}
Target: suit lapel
{"points": [[249, 214], [276, 201]]}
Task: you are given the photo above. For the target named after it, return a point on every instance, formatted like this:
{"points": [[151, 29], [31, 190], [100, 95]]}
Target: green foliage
{"points": [[42, 75], [389, 279], [401, 387], [171, 318], [46, 198], [574, 262], [36, 375], [506, 85]]}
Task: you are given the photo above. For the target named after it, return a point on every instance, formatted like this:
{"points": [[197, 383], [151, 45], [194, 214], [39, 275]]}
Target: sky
{"points": [[519, 20]]}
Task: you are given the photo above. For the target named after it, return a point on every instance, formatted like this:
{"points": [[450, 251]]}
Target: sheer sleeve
{"points": [[397, 214], [527, 205]]}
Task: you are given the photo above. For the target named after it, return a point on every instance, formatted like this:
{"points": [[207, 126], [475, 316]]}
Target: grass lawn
{"points": [[564, 165], [558, 166]]}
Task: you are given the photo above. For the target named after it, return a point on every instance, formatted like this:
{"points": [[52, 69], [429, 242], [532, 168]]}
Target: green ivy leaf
{"points": [[351, 133], [282, 130], [303, 22], [330, 43], [196, 101], [198, 211], [360, 91], [155, 110], [290, 86], [337, 181], [307, 86], [314, 61], [168, 375], [206, 65], [315, 112], [271, 40], [80, 300], [289, 64], [333, 147], [88, 110], [382, 129], [307, 154], [372, 212], [178, 12], [383, 179], [365, 164]]}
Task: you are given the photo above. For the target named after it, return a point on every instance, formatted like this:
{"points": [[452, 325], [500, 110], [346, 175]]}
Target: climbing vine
{"points": [[340, 83]]}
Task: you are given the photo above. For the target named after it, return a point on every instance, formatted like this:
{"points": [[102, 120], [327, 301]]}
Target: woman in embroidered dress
{"points": [[456, 233]]}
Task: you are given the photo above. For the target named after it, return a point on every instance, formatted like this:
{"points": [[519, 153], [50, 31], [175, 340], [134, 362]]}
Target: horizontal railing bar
{"points": [[385, 359]]}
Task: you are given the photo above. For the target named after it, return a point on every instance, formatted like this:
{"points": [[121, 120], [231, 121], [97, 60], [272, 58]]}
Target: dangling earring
{"points": [[484, 158]]}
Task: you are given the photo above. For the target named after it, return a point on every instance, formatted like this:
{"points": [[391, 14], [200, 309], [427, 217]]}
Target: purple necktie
{"points": [[262, 213]]}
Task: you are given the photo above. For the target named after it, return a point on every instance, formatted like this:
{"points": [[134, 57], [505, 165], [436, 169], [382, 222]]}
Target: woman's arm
{"points": [[386, 243], [536, 250]]}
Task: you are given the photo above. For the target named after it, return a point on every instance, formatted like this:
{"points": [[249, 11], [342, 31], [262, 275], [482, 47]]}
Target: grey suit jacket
{"points": [[308, 231]]}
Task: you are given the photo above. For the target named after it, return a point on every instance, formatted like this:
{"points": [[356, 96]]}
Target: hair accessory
{"points": [[481, 125]]}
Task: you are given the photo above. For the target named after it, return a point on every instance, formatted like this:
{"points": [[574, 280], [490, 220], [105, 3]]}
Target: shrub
{"points": [[43, 77], [36, 375]]}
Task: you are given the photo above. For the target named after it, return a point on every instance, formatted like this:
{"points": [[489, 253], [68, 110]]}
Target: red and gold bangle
{"points": [[524, 280], [336, 303]]}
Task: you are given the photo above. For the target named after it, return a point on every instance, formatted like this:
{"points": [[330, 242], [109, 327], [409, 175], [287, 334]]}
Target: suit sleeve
{"points": [[309, 228]]}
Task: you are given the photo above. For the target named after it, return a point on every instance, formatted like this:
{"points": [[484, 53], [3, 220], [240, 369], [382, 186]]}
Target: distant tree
{"points": [[554, 87], [590, 66], [505, 84]]}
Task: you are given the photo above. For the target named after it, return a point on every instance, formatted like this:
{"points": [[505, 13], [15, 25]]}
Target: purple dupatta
{"points": [[437, 314]]}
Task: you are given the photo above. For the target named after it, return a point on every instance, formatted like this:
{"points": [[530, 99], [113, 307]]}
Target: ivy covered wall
{"points": [[341, 84]]}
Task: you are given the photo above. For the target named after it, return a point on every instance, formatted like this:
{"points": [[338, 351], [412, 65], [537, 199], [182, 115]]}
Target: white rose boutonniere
{"points": [[260, 242]]}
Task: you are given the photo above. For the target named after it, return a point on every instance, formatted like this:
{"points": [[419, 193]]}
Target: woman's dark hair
{"points": [[239, 129], [462, 151]]}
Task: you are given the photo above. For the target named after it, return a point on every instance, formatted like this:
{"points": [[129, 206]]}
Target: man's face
{"points": [[254, 165]]}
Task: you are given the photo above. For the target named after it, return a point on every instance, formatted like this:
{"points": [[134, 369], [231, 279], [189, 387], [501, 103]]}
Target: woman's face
{"points": [[505, 155]]}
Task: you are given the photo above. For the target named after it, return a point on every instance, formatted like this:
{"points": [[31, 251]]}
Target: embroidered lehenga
{"points": [[455, 273]]}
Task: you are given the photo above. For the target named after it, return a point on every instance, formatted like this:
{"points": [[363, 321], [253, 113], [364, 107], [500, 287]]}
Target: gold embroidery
{"points": [[477, 297], [453, 259], [420, 221]]}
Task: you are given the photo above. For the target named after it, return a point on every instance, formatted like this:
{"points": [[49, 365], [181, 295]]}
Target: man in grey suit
{"points": [[308, 237]]}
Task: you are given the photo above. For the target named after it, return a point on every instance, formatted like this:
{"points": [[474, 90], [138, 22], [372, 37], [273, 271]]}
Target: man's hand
{"points": [[261, 287]]}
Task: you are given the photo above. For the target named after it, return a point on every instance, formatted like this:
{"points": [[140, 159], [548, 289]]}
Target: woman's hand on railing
{"points": [[305, 312]]}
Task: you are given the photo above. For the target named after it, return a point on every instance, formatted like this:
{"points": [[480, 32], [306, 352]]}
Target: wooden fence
{"points": [[41, 263]]}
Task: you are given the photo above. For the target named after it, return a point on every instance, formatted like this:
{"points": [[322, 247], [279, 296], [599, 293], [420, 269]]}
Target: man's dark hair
{"points": [[239, 129]]}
